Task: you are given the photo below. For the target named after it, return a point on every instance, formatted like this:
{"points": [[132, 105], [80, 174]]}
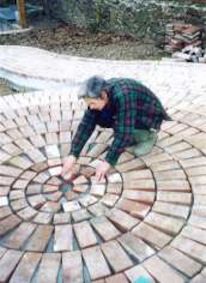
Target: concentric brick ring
{"points": [[146, 218]]}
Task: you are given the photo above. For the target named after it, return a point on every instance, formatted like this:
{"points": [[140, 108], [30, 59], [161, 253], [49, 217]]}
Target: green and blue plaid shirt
{"points": [[131, 106]]}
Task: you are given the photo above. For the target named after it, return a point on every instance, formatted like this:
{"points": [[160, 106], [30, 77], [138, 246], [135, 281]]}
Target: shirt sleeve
{"points": [[124, 128], [84, 131]]}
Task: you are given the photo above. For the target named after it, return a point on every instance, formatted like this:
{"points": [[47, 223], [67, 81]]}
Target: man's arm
{"points": [[124, 128], [84, 131]]}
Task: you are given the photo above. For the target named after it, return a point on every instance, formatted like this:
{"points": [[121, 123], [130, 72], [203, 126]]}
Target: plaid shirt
{"points": [[131, 106]]}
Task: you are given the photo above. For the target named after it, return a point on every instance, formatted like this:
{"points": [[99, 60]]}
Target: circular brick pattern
{"points": [[146, 218]]}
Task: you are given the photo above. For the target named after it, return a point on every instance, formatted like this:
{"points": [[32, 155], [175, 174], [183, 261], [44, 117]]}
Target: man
{"points": [[127, 106]]}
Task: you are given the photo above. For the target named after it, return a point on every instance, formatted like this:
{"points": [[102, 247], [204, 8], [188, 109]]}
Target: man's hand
{"points": [[102, 170], [67, 167]]}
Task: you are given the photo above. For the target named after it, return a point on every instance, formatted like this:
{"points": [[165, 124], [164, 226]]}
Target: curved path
{"points": [[148, 217]]}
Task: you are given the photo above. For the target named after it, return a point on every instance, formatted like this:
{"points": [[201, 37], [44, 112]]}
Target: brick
{"points": [[33, 189], [8, 224], [175, 197], [97, 150], [156, 238], [105, 229], [122, 220], [197, 221], [180, 261], [21, 162], [80, 180], [190, 153], [4, 191], [55, 171], [140, 196], [42, 178], [54, 181], [198, 180], [167, 224], [54, 196], [52, 151], [72, 267], [179, 211], [40, 238], [20, 235], [164, 166], [87, 200], [161, 271], [37, 201], [116, 256], [43, 218], [191, 248], [27, 213], [196, 171], [98, 190], [49, 268], [139, 184], [115, 188], [114, 178], [51, 206], [12, 149], [6, 181], [80, 188], [177, 174], [28, 175], [133, 164], [174, 185], [95, 263], [62, 218], [109, 200], [135, 247], [4, 201], [85, 234], [137, 175], [71, 206], [24, 144], [98, 209], [4, 212], [137, 272], [196, 234], [26, 268], [81, 215], [10, 171], [8, 264], [50, 188], [149, 160], [38, 141], [193, 162], [63, 238], [136, 209], [35, 155], [118, 278]]}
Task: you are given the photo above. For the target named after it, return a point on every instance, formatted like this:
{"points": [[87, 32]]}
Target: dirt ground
{"points": [[53, 35]]}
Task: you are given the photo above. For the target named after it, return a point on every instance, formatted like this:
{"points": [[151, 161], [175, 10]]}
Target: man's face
{"points": [[95, 103]]}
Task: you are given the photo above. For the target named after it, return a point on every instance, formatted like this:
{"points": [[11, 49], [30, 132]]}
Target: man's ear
{"points": [[104, 95]]}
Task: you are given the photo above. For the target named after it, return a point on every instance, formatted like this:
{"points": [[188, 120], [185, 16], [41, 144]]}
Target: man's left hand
{"points": [[102, 170]]}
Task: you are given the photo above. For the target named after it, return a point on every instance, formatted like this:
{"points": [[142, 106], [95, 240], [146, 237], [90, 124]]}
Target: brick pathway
{"points": [[146, 218]]}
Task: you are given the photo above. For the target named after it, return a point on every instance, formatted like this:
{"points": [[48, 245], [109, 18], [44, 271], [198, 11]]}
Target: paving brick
{"points": [[147, 184], [8, 264], [87, 200], [196, 171], [71, 206], [174, 185], [179, 211], [115, 188], [26, 268], [81, 215], [98, 209], [50, 188], [10, 171], [177, 174], [119, 278], [98, 190], [175, 197], [155, 237], [197, 221], [130, 165], [6, 181], [40, 238], [85, 234], [140, 196], [4, 212], [12, 149], [42, 177], [105, 229], [137, 175], [20, 235], [161, 271], [80, 188], [137, 272], [49, 268], [191, 248], [4, 191], [33, 189], [8, 224], [21, 162], [37, 201], [51, 206], [63, 238], [122, 220], [136, 247], [164, 166], [116, 256], [109, 200], [96, 263], [27, 213], [4, 201], [167, 224], [72, 267], [136, 209], [28, 175], [54, 196], [43, 218], [180, 261], [196, 234]]}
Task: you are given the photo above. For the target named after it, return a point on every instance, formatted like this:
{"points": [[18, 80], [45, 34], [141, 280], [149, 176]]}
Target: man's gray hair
{"points": [[92, 87]]}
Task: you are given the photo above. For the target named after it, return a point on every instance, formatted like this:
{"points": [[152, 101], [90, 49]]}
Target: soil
{"points": [[56, 36]]}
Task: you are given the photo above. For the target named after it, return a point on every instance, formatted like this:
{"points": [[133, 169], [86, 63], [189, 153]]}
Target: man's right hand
{"points": [[68, 166]]}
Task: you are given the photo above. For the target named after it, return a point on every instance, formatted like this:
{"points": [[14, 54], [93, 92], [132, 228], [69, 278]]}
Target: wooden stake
{"points": [[22, 12]]}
